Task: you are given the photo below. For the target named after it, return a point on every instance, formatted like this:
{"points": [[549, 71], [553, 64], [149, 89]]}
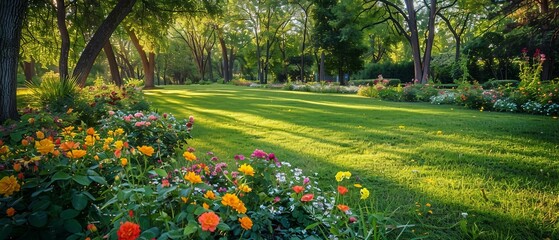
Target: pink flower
{"points": [[239, 157], [126, 118], [191, 119], [276, 199], [352, 219], [165, 183], [165, 115], [307, 197], [138, 114], [259, 154], [306, 181], [152, 118], [111, 113]]}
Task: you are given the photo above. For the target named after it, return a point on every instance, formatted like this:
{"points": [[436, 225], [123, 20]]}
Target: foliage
{"points": [[241, 82], [55, 95], [444, 97], [505, 105]]}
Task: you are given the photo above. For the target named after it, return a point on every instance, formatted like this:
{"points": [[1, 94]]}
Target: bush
{"points": [[444, 97], [400, 70], [499, 83], [505, 105], [391, 94], [55, 95], [241, 82]]}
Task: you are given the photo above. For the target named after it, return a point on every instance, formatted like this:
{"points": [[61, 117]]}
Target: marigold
{"points": [[67, 146], [128, 231], [342, 175], [307, 197], [193, 177], [119, 131], [364, 193], [10, 212], [208, 221], [246, 223], [245, 188], [146, 150], [246, 169], [342, 190], [24, 142], [89, 140], [118, 145], [123, 162], [9, 185], [209, 195], [189, 156], [40, 135], [343, 208], [90, 131], [17, 167], [205, 206], [44, 146], [298, 189], [233, 201], [4, 149], [75, 154]]}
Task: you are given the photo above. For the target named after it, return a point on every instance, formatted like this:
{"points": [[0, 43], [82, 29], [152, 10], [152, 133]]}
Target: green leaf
{"points": [[81, 179], [36, 193], [160, 172], [5, 231], [60, 175], [199, 211], [175, 234], [98, 179], [38, 219], [190, 229], [150, 233], [79, 201], [40, 204], [312, 225], [69, 213], [73, 226], [223, 227]]}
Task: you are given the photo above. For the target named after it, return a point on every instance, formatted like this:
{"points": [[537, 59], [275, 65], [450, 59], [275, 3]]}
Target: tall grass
{"points": [[53, 93]]}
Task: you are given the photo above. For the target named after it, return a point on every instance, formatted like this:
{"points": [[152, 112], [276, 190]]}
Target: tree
{"points": [[199, 34], [12, 14]]}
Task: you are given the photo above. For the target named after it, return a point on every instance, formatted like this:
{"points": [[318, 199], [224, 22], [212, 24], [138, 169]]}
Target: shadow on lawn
{"points": [[328, 115]]}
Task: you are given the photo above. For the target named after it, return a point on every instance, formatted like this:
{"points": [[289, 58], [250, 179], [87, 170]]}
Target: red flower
{"points": [[298, 189], [343, 208], [131, 213], [342, 190], [307, 197], [128, 231]]}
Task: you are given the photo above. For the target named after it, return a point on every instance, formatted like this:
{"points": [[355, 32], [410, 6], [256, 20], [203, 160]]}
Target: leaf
{"points": [[79, 201], [312, 225], [40, 204], [98, 179], [38, 219], [73, 226], [160, 172], [190, 229], [60, 175], [175, 234], [5, 231], [199, 211], [223, 227], [150, 233], [113, 200], [82, 180], [36, 193], [69, 213]]}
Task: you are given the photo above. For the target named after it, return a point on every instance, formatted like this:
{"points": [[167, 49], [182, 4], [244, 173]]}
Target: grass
{"points": [[501, 169]]}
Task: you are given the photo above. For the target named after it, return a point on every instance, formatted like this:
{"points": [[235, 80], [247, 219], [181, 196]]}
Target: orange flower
{"points": [[44, 146], [233, 201], [307, 197], [123, 162], [193, 178], [24, 142], [67, 146], [17, 167], [208, 221], [205, 206], [209, 195], [91, 227], [40, 135], [189, 156], [4, 149], [343, 208], [146, 150], [74, 154], [245, 188], [298, 189], [90, 131], [342, 190], [9, 185], [128, 231], [10, 212], [246, 223]]}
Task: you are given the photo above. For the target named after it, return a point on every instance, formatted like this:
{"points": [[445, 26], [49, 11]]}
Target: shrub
{"points": [[551, 109], [532, 107], [55, 95], [391, 93], [444, 97], [499, 83], [241, 82], [505, 105]]}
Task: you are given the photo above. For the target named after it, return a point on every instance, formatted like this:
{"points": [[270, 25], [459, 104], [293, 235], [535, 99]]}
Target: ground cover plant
{"points": [[429, 166]]}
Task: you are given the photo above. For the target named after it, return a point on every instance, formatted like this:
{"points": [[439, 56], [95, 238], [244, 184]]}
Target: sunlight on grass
{"points": [[498, 167]]}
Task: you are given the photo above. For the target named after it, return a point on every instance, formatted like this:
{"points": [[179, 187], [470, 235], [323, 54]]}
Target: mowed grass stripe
{"points": [[500, 168]]}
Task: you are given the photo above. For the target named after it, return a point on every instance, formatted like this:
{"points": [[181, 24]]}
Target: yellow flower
{"points": [[205, 205], [364, 193], [401, 127], [89, 140], [193, 178], [245, 188], [246, 169], [40, 135], [146, 150], [189, 156], [357, 185], [246, 223], [123, 162], [184, 199], [428, 205], [96, 158], [233, 201], [44, 146], [31, 120], [69, 110], [111, 133], [209, 195], [119, 131], [341, 175], [9, 185], [109, 140], [74, 154], [118, 145], [439, 132], [4, 149], [68, 131]]}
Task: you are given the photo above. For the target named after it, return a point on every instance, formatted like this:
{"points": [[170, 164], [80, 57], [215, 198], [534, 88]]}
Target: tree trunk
{"points": [[113, 66], [12, 14], [322, 71], [148, 60], [29, 70], [65, 40], [103, 33], [341, 78], [414, 41], [430, 40], [225, 60], [231, 62]]}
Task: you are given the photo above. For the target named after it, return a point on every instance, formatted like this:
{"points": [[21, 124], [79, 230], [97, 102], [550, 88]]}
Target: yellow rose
{"points": [[9, 185], [146, 150], [44, 146]]}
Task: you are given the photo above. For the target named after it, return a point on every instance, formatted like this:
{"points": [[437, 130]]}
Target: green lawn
{"points": [[501, 169]]}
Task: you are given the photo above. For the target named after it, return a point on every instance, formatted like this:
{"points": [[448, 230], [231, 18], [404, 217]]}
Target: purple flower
{"points": [[191, 149], [222, 189], [276, 199], [214, 159], [239, 157], [234, 174], [306, 181], [210, 153]]}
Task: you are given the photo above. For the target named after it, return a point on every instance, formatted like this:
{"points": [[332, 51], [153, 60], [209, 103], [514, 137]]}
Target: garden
{"points": [[278, 119]]}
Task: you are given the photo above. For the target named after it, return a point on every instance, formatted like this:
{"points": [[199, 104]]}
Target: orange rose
{"points": [[208, 221], [307, 197], [298, 189], [246, 223]]}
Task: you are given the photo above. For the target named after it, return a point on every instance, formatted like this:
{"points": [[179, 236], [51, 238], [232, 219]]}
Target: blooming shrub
{"points": [[444, 97], [505, 105], [532, 107], [551, 109]]}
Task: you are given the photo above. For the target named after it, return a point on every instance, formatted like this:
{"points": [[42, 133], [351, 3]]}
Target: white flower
{"points": [[464, 214]]}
